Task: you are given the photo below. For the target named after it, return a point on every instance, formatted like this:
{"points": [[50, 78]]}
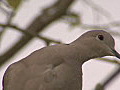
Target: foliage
{"points": [[14, 3]]}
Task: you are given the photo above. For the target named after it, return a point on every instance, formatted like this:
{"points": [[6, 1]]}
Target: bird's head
{"points": [[98, 43]]}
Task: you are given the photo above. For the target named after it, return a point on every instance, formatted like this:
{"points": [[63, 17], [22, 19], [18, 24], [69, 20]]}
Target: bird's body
{"points": [[56, 67], [46, 70]]}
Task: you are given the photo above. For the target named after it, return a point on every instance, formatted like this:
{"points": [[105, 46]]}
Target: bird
{"points": [[59, 67]]}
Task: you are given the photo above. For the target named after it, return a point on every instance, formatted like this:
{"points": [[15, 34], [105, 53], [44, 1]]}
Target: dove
{"points": [[59, 67]]}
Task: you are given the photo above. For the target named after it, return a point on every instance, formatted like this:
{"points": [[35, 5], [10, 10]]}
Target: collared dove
{"points": [[58, 67]]}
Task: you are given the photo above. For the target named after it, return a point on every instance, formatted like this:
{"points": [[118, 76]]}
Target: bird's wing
{"points": [[20, 72], [18, 76], [44, 77], [44, 80]]}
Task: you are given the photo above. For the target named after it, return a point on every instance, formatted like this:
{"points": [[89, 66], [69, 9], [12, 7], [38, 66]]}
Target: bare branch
{"points": [[97, 8], [49, 15], [109, 61], [108, 80], [31, 33]]}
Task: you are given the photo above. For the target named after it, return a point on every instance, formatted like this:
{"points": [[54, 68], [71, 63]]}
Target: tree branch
{"points": [[31, 33], [112, 61], [108, 80], [49, 15]]}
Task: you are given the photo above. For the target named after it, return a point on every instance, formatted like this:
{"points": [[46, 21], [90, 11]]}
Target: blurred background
{"points": [[28, 25]]}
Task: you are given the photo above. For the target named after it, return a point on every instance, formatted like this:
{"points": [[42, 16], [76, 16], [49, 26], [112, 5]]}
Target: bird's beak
{"points": [[116, 53]]}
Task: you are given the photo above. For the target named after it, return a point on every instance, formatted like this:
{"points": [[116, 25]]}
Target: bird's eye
{"points": [[100, 37]]}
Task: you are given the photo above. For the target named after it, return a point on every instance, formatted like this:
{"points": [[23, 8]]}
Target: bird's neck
{"points": [[82, 53]]}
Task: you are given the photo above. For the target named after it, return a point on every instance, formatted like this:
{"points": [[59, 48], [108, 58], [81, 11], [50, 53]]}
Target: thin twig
{"points": [[109, 61]]}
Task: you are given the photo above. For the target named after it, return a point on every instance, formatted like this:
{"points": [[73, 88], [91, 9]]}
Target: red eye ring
{"points": [[101, 37]]}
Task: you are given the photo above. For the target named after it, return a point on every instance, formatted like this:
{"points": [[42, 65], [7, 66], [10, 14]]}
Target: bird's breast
{"points": [[68, 77]]}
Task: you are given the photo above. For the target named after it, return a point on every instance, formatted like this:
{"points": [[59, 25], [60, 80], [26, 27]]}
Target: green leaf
{"points": [[14, 3]]}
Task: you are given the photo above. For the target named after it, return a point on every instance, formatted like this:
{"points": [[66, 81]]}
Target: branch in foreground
{"points": [[50, 14]]}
